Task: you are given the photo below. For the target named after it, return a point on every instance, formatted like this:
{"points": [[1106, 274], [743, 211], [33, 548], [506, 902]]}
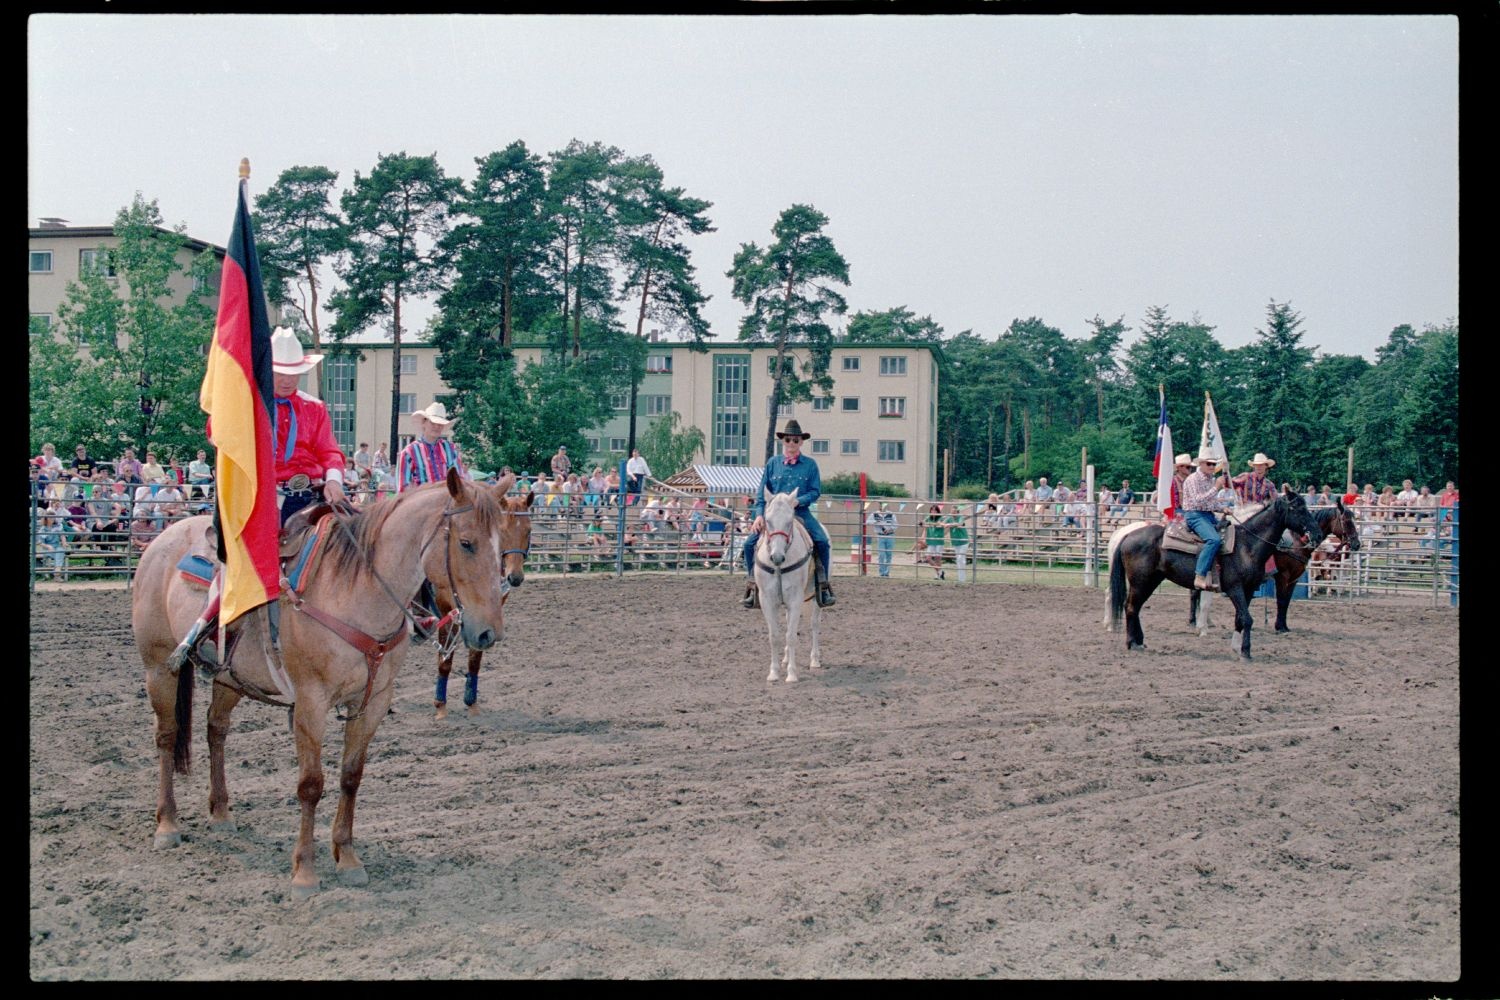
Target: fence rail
{"points": [[667, 530]]}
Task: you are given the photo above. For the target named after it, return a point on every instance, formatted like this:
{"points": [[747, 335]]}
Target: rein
{"points": [[778, 570], [373, 649], [1274, 546]]}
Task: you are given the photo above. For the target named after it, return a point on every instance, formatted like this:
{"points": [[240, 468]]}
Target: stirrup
{"points": [[751, 599], [825, 596]]}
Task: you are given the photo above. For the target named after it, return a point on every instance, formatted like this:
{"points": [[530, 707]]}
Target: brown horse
{"points": [[515, 543], [1291, 560], [372, 562]]}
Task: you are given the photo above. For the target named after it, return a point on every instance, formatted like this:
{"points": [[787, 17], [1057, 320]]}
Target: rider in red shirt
{"points": [[308, 463]]}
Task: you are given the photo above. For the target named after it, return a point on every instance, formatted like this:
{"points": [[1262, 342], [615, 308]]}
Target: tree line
{"points": [[578, 250]]}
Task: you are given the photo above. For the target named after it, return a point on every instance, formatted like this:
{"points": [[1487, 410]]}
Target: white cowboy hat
{"points": [[436, 412], [1206, 456], [1183, 459], [286, 354], [1261, 459]]}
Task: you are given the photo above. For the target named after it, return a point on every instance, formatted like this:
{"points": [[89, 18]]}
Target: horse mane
{"points": [[350, 549]]}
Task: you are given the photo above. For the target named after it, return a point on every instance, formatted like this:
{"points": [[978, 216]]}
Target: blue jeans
{"points": [[1203, 525], [814, 529], [886, 545]]}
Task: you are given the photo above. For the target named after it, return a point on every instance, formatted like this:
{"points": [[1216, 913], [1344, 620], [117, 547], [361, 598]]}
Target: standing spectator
{"points": [[933, 529], [128, 468], [561, 464], [51, 541], [152, 471], [200, 474], [696, 518], [1255, 486], [1123, 499], [636, 470], [958, 535], [882, 524], [82, 465], [362, 460], [430, 455]]}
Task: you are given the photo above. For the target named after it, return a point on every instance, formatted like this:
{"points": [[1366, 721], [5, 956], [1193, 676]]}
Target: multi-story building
{"points": [[59, 254], [358, 390]]}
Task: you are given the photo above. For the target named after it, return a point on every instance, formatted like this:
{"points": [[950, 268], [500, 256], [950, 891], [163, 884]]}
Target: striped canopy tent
{"points": [[718, 479]]}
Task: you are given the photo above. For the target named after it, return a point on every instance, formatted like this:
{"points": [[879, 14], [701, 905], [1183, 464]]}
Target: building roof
{"points": [[99, 232], [718, 479]]}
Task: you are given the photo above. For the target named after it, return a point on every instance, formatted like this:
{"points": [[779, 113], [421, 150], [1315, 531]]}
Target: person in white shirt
{"points": [[636, 471], [882, 524]]}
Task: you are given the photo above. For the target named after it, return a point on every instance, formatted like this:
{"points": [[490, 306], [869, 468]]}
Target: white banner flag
{"points": [[1212, 441]]}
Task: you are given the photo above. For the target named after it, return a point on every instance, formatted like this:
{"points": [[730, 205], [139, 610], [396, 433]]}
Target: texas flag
{"points": [[1162, 466], [238, 395]]}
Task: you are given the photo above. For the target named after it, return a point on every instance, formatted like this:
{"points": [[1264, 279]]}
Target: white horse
{"points": [[1112, 622], [784, 573]]}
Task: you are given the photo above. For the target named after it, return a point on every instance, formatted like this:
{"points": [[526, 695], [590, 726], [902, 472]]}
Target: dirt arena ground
{"points": [[978, 782]]}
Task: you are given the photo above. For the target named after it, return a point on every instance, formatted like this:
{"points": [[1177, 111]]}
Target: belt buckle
{"points": [[298, 483]]}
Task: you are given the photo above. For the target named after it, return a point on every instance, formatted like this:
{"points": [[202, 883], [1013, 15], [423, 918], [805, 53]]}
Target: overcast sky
{"points": [[976, 169]]}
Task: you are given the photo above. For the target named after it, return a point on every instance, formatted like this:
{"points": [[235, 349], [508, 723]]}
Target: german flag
{"points": [[238, 395]]}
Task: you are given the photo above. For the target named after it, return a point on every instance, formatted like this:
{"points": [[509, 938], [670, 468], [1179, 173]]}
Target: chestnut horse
{"points": [[1291, 561], [1140, 565], [372, 562], [515, 543]]}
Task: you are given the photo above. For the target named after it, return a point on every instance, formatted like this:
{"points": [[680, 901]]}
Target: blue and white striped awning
{"points": [[728, 478]]}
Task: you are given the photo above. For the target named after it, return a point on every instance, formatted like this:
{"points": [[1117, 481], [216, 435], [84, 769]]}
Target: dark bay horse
{"points": [[1291, 562], [515, 543], [1141, 564], [342, 641]]}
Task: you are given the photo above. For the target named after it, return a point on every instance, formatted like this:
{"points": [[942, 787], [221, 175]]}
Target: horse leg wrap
{"points": [[440, 695], [471, 689]]}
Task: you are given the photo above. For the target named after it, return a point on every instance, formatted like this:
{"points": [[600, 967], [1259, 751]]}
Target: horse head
{"points": [[515, 536], [1298, 517], [1341, 523], [781, 512], [474, 521]]}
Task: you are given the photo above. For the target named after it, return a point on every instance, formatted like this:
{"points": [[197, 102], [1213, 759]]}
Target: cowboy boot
{"points": [[751, 599], [825, 590]]}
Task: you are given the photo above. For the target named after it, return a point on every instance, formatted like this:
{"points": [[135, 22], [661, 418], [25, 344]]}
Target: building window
{"points": [[851, 404], [820, 446], [408, 364], [892, 366], [788, 365], [338, 393], [851, 362], [849, 446], [40, 323], [893, 406], [407, 402], [822, 404], [784, 410], [730, 442], [619, 401], [593, 444], [95, 262], [891, 451], [41, 262], [617, 445], [658, 364], [656, 405]]}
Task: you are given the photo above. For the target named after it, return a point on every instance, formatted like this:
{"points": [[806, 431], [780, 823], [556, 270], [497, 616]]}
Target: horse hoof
{"points": [[441, 712], [791, 678], [165, 840], [223, 826], [815, 665], [473, 709], [353, 876], [301, 891]]}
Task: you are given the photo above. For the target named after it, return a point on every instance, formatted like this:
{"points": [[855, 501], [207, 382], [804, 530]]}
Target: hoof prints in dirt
{"points": [[969, 786]]}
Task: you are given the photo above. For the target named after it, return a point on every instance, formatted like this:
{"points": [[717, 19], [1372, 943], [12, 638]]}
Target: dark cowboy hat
{"points": [[792, 429]]}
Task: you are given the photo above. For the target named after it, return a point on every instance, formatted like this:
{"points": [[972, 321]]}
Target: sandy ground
{"points": [[977, 782]]}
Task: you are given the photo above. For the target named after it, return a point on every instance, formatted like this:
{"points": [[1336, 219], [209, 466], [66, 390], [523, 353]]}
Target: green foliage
{"points": [[668, 447], [296, 231], [969, 491], [136, 379], [898, 325], [847, 484], [519, 417]]}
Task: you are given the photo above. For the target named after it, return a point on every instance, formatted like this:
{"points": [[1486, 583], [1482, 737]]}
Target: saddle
{"points": [[1180, 538]]}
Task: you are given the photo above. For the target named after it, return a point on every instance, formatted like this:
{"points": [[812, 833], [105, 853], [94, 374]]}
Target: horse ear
{"points": [[503, 486], [455, 483], [793, 495], [769, 495], [530, 497]]}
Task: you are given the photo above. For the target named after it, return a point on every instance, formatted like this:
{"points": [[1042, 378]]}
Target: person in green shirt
{"points": [[935, 528], [958, 535]]}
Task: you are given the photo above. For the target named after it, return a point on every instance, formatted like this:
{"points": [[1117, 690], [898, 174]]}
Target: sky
{"points": [[976, 169]]}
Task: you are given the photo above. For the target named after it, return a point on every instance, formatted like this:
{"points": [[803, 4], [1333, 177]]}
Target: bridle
{"points": [[779, 570], [1274, 545]]}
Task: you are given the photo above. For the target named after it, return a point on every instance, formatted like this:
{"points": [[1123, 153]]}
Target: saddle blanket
{"points": [[196, 569]]}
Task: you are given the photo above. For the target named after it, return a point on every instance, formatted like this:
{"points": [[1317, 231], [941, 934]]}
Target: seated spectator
{"points": [[595, 534], [151, 471], [1106, 497], [1425, 503], [200, 474], [1043, 496], [696, 518], [1062, 496], [1311, 496], [1325, 496], [572, 491], [651, 515], [169, 504], [612, 487], [1386, 503], [989, 515], [82, 465], [671, 513], [595, 488], [1406, 498], [128, 467], [142, 531], [1077, 510], [49, 463], [1449, 496], [1367, 500]]}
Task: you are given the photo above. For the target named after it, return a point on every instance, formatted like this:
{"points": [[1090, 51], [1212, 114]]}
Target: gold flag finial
{"points": [[245, 168]]}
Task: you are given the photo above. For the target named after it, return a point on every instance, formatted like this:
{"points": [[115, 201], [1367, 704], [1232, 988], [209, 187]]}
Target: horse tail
{"points": [[1116, 589], [182, 748]]}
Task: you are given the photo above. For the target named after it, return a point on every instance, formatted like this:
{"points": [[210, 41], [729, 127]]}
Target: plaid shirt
{"points": [[1200, 493]]}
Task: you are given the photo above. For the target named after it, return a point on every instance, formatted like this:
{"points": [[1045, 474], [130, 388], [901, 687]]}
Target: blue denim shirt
{"points": [[782, 478]]}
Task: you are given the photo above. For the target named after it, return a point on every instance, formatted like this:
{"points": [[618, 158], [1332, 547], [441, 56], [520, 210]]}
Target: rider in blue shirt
{"points": [[788, 471]]}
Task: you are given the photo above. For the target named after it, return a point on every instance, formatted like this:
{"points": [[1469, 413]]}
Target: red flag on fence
{"points": [[238, 396]]}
